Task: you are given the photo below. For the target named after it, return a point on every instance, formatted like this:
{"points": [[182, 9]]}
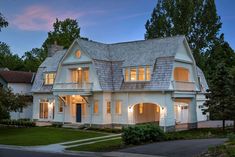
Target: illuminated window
{"points": [[61, 104], [141, 74], [80, 75], [96, 106], [43, 109], [126, 74], [141, 108], [108, 107], [181, 74], [148, 74], [78, 53], [49, 78], [157, 109], [118, 107], [133, 74]]}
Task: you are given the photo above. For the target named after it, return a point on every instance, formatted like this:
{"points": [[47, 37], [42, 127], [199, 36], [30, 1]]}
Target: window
{"points": [[80, 75], [49, 78], [96, 106], [141, 74], [118, 108], [43, 107], [126, 74], [141, 108], [108, 107], [157, 109], [78, 53], [61, 104], [181, 74], [133, 74], [148, 74]]}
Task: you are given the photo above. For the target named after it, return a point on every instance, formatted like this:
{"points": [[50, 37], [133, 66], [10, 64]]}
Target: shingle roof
{"points": [[202, 80], [49, 65], [17, 76]]}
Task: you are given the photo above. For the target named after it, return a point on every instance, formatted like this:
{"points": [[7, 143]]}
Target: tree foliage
{"points": [[64, 33], [219, 95], [3, 22], [10, 102], [197, 20]]}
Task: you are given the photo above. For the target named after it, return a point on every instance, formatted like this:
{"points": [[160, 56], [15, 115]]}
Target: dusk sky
{"points": [[105, 21]]}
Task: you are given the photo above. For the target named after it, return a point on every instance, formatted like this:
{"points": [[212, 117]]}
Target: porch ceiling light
{"points": [[130, 109], [79, 68]]}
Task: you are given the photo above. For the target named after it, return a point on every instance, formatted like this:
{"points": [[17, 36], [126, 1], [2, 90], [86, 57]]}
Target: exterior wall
{"points": [[36, 103], [200, 101], [20, 88], [26, 113]]}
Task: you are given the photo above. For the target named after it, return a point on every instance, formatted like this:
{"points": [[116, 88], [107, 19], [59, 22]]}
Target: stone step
{"points": [[74, 126]]}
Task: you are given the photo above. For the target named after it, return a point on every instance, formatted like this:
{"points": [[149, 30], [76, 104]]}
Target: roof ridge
{"points": [[143, 40]]}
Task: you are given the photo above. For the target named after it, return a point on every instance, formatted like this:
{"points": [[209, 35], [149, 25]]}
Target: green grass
{"points": [[198, 134], [42, 135], [100, 146]]}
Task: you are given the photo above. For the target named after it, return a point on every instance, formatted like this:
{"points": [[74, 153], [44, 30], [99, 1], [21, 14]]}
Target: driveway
{"points": [[180, 148]]}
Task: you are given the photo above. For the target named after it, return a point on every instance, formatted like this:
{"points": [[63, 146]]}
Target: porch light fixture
{"points": [[73, 96], [130, 109], [79, 68]]}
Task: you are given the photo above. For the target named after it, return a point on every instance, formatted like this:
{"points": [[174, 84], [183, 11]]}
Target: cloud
{"points": [[41, 18]]}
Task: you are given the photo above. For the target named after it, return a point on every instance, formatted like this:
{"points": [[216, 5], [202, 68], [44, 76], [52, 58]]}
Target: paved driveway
{"points": [[180, 148]]}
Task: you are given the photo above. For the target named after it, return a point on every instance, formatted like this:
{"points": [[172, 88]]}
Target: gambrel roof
{"points": [[109, 60]]}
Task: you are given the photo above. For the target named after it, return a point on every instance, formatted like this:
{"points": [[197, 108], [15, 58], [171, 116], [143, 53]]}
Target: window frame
{"points": [[127, 72], [108, 107], [96, 107], [118, 107], [47, 78]]}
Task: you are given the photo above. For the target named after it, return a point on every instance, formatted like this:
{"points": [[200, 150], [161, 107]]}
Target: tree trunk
{"points": [[223, 124]]}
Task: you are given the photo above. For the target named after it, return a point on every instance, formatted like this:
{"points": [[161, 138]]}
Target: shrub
{"points": [[142, 133], [19, 123], [231, 137]]}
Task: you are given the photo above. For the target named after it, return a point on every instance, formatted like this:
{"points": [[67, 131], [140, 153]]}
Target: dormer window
{"points": [[78, 53], [140, 73], [49, 78]]}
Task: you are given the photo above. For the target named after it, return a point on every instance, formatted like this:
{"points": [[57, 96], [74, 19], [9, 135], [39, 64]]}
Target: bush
{"points": [[142, 133], [231, 137], [19, 123]]}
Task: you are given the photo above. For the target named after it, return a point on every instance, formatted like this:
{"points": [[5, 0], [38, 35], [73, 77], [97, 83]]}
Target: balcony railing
{"points": [[73, 86], [184, 86]]}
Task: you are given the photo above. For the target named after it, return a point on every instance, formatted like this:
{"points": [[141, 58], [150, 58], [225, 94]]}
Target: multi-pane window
{"points": [[148, 74], [49, 78], [140, 73], [43, 109], [96, 107], [61, 104], [141, 76], [133, 74], [118, 107], [108, 107], [126, 74], [80, 75]]}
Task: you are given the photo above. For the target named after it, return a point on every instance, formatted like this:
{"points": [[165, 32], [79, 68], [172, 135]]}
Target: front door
{"points": [[79, 113]]}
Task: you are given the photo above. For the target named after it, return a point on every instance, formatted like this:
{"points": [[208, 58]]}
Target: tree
{"points": [[232, 106], [10, 102], [3, 22], [221, 52], [219, 94], [9, 60], [64, 33], [33, 59], [197, 20]]}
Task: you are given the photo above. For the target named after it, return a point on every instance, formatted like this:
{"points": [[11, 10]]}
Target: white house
{"points": [[20, 83], [108, 85]]}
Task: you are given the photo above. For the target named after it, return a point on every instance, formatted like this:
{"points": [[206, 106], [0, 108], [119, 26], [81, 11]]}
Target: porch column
{"points": [[192, 119]]}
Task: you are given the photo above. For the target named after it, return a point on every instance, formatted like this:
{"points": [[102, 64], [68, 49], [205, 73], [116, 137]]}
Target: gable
{"points": [[72, 56], [183, 53]]}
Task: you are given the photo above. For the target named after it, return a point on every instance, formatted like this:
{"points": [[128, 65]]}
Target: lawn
{"points": [[42, 135], [100, 146], [185, 135]]}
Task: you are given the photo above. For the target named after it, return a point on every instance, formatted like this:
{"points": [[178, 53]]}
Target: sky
{"points": [[107, 21]]}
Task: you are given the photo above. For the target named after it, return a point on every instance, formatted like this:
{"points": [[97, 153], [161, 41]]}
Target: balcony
{"points": [[183, 86], [73, 88]]}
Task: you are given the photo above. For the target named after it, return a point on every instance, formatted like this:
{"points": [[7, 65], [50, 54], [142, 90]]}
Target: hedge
{"points": [[142, 134], [23, 123]]}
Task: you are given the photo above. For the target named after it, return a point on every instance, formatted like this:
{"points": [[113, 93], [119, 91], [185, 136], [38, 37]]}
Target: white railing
{"points": [[184, 86], [73, 86]]}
